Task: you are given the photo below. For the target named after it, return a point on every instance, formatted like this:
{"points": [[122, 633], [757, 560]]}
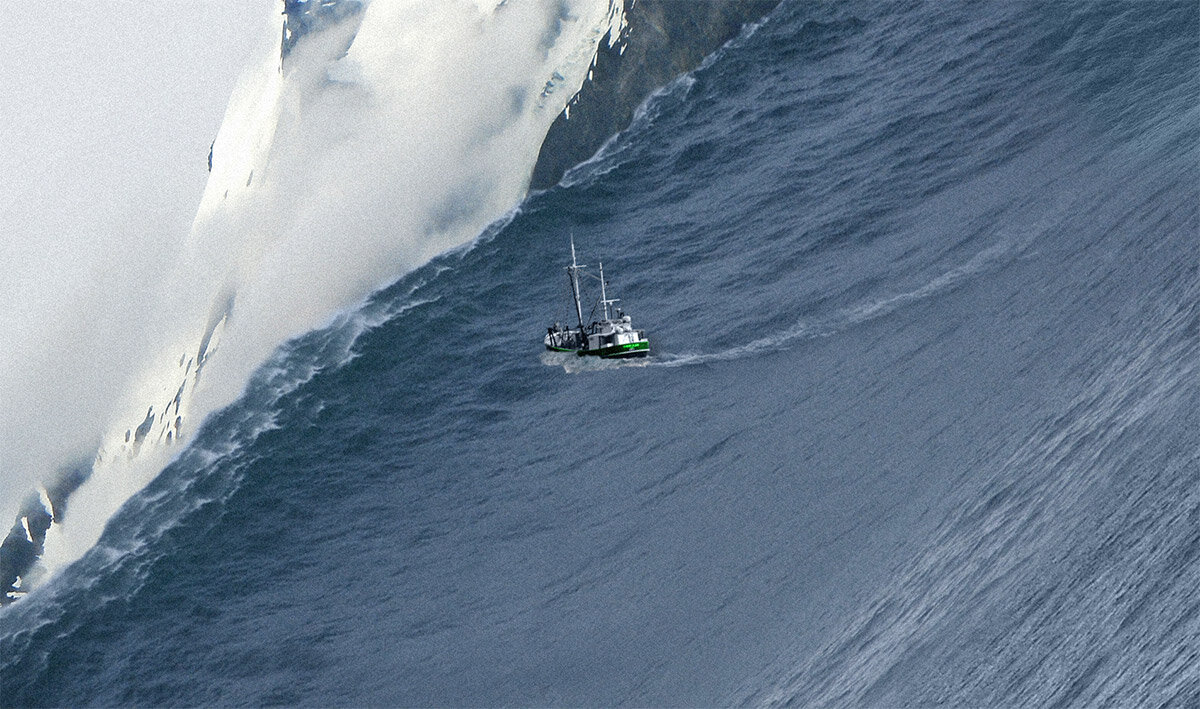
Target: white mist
{"points": [[332, 177]]}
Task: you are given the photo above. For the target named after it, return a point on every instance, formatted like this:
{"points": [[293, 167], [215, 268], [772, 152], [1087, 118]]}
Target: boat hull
{"points": [[625, 351]]}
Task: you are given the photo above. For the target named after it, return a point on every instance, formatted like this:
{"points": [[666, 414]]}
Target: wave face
{"points": [[921, 423], [368, 139]]}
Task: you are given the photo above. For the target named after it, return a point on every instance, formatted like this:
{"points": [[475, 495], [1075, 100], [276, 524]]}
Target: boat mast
{"points": [[603, 293], [573, 271]]}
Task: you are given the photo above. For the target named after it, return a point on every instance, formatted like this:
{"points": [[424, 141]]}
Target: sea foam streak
{"points": [[335, 171]]}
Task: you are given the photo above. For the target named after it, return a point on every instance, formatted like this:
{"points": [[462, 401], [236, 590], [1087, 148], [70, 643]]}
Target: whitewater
{"points": [[373, 145], [920, 425]]}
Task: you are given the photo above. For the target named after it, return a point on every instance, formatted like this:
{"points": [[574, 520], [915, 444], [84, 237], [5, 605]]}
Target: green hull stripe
{"points": [[629, 349]]}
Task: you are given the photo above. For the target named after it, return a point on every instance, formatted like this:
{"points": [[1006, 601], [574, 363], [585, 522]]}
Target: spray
{"points": [[351, 156]]}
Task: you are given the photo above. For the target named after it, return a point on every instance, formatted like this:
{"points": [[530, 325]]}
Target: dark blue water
{"points": [[922, 424]]}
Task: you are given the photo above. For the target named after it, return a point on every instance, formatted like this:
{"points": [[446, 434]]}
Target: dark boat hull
{"points": [[628, 351], [632, 349]]}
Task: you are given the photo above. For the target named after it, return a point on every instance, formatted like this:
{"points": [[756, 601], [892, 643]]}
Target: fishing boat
{"points": [[612, 337]]}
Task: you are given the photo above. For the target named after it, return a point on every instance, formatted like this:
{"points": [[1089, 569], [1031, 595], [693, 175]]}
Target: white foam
{"points": [[332, 177], [572, 363]]}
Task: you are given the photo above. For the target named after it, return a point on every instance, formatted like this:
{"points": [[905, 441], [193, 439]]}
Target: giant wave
{"points": [[368, 140], [920, 425]]}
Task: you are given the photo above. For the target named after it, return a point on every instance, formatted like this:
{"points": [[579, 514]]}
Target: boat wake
{"points": [[989, 259], [574, 364]]}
